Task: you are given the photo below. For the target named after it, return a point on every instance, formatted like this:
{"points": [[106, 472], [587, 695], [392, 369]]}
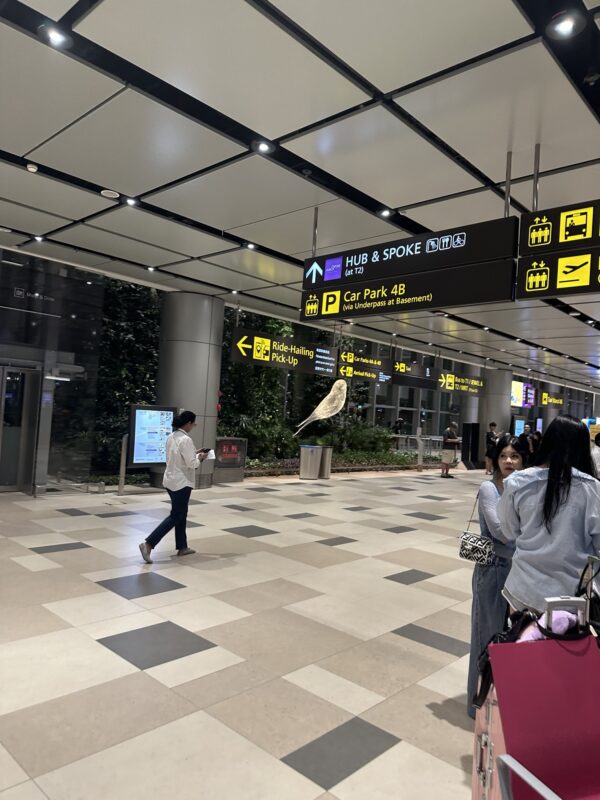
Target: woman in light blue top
{"points": [[552, 514], [489, 609]]}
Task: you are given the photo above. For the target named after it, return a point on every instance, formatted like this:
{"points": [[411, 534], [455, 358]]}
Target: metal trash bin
{"points": [[310, 461], [325, 470]]}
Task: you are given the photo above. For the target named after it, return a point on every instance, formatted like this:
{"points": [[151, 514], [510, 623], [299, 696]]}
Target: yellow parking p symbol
{"points": [[330, 304]]}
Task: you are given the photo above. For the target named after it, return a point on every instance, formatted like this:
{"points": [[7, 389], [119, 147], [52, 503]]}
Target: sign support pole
{"points": [[315, 227], [123, 465], [536, 178], [507, 184]]}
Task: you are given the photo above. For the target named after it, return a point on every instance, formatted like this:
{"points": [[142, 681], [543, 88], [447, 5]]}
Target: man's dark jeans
{"points": [[176, 519]]}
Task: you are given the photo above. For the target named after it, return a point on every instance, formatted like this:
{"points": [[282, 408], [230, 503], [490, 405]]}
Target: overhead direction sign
{"points": [[251, 347], [557, 229], [365, 368], [555, 274], [462, 384], [485, 241], [456, 286]]}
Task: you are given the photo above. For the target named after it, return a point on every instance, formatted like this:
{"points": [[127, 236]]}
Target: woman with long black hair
{"points": [[182, 461], [552, 513]]}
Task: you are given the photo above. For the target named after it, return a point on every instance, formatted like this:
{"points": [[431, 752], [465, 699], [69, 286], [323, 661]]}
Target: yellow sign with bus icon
{"points": [[576, 224]]}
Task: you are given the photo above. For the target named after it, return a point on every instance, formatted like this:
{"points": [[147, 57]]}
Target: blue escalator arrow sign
{"points": [[314, 270]]}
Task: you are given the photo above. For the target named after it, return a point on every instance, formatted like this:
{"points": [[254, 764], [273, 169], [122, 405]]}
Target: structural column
{"points": [[469, 411], [495, 403], [189, 371]]}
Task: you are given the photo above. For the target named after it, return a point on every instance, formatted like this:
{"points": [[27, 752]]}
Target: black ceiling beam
{"points": [[78, 12]]}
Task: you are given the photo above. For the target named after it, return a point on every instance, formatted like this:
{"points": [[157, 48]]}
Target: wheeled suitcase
{"points": [[489, 744]]}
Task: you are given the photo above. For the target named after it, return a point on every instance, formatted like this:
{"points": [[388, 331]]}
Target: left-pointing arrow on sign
{"points": [[243, 347], [314, 270]]}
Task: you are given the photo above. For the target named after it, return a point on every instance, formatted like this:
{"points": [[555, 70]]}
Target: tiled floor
{"points": [[299, 654]]}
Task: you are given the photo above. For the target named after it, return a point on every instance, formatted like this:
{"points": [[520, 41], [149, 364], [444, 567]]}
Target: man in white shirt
{"points": [[182, 461]]}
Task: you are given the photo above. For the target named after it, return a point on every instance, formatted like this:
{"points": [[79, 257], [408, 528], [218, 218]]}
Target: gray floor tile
{"points": [[108, 514], [303, 515], [433, 497], [424, 515], [318, 494], [357, 508], [336, 540], [73, 512], [156, 644], [400, 529], [402, 489], [190, 524], [262, 489], [141, 584], [240, 508], [409, 576], [334, 756], [439, 641], [250, 531], [57, 548]]}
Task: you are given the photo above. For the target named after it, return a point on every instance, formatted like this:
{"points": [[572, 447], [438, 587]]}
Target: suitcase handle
{"points": [[567, 603]]}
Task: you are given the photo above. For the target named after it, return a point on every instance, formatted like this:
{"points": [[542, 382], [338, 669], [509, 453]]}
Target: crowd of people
{"points": [[541, 510]]}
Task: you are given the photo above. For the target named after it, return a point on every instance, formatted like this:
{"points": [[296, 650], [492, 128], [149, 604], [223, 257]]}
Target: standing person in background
{"points": [[526, 444], [596, 453], [552, 513], [182, 461], [491, 439], [536, 441], [450, 442], [489, 609]]}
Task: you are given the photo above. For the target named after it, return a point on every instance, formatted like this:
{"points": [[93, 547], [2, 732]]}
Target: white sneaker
{"points": [[145, 551]]}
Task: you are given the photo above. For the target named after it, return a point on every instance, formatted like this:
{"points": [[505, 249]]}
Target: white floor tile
{"points": [[335, 689], [204, 612], [36, 562], [10, 772], [189, 668], [92, 608], [451, 681]]}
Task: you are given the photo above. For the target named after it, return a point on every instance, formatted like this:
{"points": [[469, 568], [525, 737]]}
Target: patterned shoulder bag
{"points": [[476, 548]]}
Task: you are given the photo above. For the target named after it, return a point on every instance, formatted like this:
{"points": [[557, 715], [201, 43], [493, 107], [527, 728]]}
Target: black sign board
{"points": [[574, 227], [460, 384], [230, 453], [456, 286], [415, 375], [472, 244], [250, 347], [365, 368], [557, 274]]}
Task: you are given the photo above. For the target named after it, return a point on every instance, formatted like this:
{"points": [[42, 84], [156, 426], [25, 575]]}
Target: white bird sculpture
{"points": [[329, 405]]}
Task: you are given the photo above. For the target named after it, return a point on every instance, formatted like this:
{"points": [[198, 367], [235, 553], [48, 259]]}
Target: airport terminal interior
{"points": [[225, 197]]}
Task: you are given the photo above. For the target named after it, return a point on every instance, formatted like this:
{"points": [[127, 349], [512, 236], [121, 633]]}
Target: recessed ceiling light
{"points": [[429, 344], [57, 39], [517, 340], [131, 201], [264, 147], [446, 315], [89, 283], [574, 314], [110, 194], [32, 168], [510, 365], [487, 358], [234, 291], [39, 238], [590, 321], [503, 349], [250, 246], [486, 328], [394, 334], [565, 24], [385, 212], [150, 269]]}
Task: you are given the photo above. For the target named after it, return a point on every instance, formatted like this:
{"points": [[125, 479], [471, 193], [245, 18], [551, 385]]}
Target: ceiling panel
{"points": [[249, 190], [221, 277], [259, 265], [458, 211], [54, 9], [147, 227], [47, 194], [9, 239], [122, 270], [228, 55], [133, 144], [114, 245], [356, 245], [383, 157], [23, 218], [561, 189], [31, 108], [380, 42], [339, 222], [63, 253], [509, 103], [281, 294]]}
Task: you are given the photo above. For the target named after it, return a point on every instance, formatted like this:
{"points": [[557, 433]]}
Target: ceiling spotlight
{"points": [[39, 238], [131, 201], [250, 245], [234, 291], [503, 349], [590, 321], [150, 269], [517, 340], [487, 358], [446, 315], [574, 314], [54, 35], [5, 230], [394, 334], [385, 212], [486, 328], [110, 194], [510, 365], [32, 167], [89, 283], [565, 24], [264, 147], [429, 344]]}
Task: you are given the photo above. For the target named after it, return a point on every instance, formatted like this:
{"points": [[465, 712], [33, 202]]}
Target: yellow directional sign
{"points": [[540, 233], [399, 366], [537, 277], [262, 349], [311, 306], [446, 380], [330, 302], [574, 271], [576, 224], [243, 347], [348, 357], [347, 372]]}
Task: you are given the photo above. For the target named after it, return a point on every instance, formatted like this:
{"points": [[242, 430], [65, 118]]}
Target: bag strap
{"points": [[472, 512]]}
